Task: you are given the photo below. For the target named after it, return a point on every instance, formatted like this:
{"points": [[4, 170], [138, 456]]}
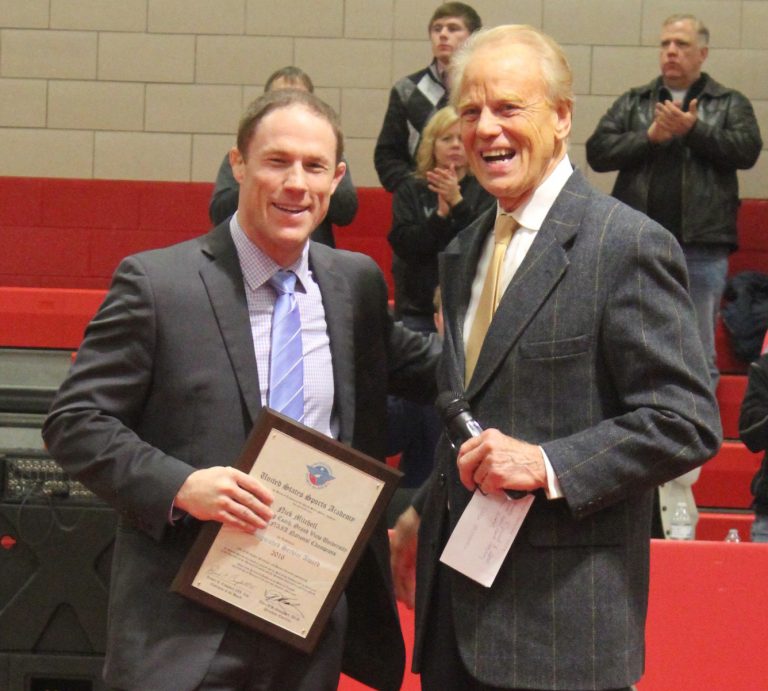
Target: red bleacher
{"points": [[724, 480], [72, 233], [752, 254], [730, 394], [61, 233]]}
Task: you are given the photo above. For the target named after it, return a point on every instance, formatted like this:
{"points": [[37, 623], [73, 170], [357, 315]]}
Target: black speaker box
{"points": [[45, 672], [55, 563]]}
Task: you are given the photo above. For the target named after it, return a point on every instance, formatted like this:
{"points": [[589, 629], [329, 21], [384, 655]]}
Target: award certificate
{"points": [[285, 579]]}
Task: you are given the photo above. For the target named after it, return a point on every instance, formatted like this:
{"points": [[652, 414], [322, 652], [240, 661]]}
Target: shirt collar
{"points": [[439, 71], [532, 213], [257, 267]]}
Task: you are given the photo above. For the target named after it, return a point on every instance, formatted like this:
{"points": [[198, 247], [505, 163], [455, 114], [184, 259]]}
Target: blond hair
{"points": [[439, 123], [557, 74]]}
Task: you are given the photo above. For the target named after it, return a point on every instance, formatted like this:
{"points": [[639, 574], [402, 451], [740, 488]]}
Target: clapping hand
{"points": [[445, 184], [672, 121]]}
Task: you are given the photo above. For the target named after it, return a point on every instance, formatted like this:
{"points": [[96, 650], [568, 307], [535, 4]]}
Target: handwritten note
{"points": [[485, 532]]}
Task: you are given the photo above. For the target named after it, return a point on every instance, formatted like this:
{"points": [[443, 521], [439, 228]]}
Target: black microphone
{"points": [[457, 418], [461, 425]]}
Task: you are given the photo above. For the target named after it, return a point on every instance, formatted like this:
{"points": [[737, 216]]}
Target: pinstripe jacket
{"points": [[593, 354]]}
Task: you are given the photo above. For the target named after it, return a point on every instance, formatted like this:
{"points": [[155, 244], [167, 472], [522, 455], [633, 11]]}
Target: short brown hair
{"points": [[292, 75], [458, 9], [283, 98]]}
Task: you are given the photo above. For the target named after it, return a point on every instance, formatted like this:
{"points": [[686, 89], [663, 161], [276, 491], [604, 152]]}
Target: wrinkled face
{"points": [[286, 180], [447, 34], [513, 137], [680, 55], [449, 149]]}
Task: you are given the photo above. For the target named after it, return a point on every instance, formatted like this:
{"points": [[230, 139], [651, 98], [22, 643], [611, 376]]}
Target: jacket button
{"points": [[441, 479]]}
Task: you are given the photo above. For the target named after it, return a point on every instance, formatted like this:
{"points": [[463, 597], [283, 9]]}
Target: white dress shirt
{"points": [[529, 217], [257, 269]]}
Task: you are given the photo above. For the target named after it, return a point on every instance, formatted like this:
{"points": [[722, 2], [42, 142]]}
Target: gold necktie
{"points": [[490, 295]]}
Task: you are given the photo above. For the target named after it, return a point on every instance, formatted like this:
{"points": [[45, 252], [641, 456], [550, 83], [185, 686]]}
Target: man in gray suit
{"points": [[172, 372], [591, 385]]}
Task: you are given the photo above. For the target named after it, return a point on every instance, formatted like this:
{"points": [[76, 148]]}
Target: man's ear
{"points": [[563, 113], [237, 162], [341, 170]]}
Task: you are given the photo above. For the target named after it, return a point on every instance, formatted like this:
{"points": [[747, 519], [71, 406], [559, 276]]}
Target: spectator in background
{"points": [[415, 98], [343, 206], [753, 431], [677, 143], [428, 209]]}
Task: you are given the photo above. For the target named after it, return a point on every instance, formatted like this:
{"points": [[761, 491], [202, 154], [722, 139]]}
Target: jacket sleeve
{"points": [[391, 156], [90, 430], [416, 234], [412, 364], [753, 417], [615, 145], [225, 194], [734, 144], [409, 236], [343, 206], [666, 420]]}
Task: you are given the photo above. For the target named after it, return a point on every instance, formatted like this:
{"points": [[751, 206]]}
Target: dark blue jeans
{"points": [[707, 272]]}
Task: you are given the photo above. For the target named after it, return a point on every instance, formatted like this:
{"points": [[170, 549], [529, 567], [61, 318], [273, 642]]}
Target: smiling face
{"points": [[447, 34], [513, 136], [286, 180], [449, 149], [681, 56]]}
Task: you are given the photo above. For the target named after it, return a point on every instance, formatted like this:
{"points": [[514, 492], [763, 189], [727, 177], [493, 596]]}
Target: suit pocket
{"points": [[561, 348]]}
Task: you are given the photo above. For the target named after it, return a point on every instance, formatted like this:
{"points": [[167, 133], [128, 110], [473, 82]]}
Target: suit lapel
{"points": [[538, 275], [223, 280], [337, 303]]}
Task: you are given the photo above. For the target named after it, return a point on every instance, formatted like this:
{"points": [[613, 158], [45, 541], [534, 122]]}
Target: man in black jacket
{"points": [[677, 143]]}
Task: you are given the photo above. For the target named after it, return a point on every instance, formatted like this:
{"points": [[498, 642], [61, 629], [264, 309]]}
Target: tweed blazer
{"points": [[593, 354], [165, 383]]}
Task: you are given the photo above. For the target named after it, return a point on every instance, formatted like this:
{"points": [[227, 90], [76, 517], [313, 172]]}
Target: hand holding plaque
{"points": [[285, 579]]}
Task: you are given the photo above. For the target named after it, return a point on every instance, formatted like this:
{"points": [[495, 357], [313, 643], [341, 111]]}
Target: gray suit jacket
{"points": [[593, 354], [166, 382]]}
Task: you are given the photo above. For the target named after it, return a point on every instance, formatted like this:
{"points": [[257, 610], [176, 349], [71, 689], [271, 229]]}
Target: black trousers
{"points": [[250, 661]]}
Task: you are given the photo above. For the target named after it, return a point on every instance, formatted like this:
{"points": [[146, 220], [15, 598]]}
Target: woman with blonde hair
{"points": [[428, 209]]}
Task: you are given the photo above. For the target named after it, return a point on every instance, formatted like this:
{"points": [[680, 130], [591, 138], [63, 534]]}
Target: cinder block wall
{"points": [[152, 89]]}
